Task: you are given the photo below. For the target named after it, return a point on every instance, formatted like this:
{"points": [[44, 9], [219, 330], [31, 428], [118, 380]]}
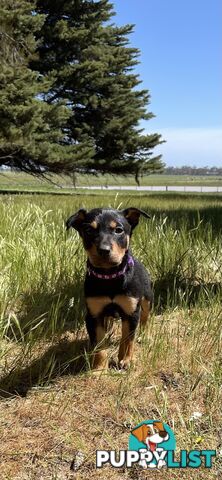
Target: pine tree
{"points": [[90, 64], [31, 134]]}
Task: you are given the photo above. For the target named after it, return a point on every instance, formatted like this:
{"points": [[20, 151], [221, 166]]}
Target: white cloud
{"points": [[191, 146]]}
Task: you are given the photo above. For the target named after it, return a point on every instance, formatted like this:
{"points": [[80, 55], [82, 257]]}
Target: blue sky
{"points": [[181, 64]]}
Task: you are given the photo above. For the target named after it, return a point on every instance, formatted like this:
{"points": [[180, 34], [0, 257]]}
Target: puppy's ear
{"points": [[133, 215], [76, 220], [140, 433]]}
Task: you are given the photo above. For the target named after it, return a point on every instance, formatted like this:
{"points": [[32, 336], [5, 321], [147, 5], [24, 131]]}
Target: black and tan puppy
{"points": [[116, 283]]}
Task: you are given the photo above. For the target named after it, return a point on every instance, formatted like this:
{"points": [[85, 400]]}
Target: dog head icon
{"points": [[151, 434]]}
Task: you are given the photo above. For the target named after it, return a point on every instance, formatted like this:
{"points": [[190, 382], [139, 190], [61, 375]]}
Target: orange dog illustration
{"points": [[151, 435]]}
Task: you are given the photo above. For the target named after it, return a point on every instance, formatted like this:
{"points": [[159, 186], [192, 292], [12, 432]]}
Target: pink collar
{"points": [[109, 276]]}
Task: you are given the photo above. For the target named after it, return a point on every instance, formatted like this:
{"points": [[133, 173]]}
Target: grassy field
{"points": [[51, 405], [21, 181]]}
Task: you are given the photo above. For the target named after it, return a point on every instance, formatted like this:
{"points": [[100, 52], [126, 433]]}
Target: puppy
{"points": [[116, 283]]}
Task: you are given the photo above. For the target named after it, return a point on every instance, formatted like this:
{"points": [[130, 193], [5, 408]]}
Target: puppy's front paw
{"points": [[124, 364]]}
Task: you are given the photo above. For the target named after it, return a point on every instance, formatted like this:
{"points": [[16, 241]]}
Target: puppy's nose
{"points": [[162, 433], [104, 250]]}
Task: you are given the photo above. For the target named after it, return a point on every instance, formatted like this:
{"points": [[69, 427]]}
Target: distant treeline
{"points": [[186, 170]]}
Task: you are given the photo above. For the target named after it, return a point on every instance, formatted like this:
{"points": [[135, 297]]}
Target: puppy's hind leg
{"points": [[145, 309], [144, 312]]}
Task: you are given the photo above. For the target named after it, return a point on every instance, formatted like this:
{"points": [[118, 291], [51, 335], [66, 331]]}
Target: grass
{"points": [[51, 406], [15, 181]]}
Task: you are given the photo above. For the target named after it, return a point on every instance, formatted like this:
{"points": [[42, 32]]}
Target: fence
{"points": [[161, 188]]}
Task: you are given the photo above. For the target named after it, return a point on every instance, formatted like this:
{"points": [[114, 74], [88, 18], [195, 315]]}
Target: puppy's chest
{"points": [[111, 306], [109, 297]]}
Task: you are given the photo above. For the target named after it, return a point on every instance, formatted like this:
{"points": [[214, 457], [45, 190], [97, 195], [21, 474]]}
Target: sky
{"points": [[181, 65]]}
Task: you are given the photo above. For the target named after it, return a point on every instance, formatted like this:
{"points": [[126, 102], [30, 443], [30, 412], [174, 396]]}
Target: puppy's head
{"points": [[105, 233]]}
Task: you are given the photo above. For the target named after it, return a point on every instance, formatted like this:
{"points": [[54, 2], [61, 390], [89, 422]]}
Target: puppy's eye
{"points": [[119, 230]]}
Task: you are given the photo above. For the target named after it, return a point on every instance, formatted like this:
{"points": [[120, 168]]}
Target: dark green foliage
{"points": [[31, 137], [91, 64], [69, 100]]}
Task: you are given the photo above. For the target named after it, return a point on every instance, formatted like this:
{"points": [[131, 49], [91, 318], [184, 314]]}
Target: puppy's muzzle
{"points": [[104, 250]]}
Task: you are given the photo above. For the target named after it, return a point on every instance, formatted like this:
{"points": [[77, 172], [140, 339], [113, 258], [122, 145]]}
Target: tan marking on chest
{"points": [[97, 304], [128, 304]]}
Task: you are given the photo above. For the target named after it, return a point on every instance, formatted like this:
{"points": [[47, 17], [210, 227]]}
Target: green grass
{"points": [[42, 267], [24, 182], [43, 347]]}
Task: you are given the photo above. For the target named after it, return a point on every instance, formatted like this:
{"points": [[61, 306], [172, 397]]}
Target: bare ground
{"points": [[42, 431]]}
